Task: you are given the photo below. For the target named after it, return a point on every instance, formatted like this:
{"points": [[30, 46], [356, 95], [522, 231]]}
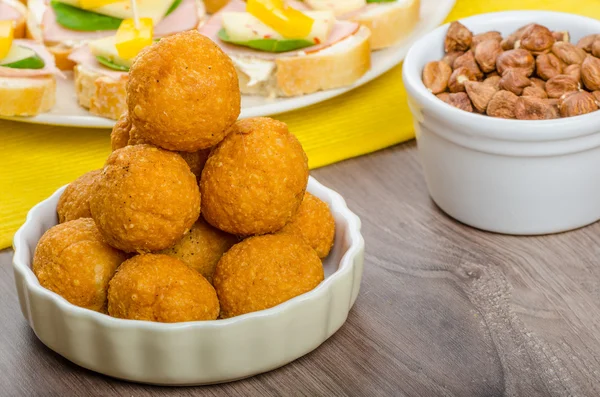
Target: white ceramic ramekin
{"points": [[195, 352], [507, 176]]}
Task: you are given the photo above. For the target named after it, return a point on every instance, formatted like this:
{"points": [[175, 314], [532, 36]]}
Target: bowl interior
{"points": [[42, 217]]}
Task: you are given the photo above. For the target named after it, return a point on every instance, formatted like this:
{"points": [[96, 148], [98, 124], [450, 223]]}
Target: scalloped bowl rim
{"points": [[338, 204]]}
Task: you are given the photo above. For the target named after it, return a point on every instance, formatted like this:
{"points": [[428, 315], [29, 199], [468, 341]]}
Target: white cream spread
{"points": [[257, 70]]}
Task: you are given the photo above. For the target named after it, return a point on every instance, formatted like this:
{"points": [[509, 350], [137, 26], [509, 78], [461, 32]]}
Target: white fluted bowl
{"points": [[192, 353]]}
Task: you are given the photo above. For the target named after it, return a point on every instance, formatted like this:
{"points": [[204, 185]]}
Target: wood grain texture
{"points": [[444, 310]]}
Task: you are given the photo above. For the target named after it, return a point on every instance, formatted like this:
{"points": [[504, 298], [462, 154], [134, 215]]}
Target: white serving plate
{"points": [[192, 353], [518, 177], [68, 113]]}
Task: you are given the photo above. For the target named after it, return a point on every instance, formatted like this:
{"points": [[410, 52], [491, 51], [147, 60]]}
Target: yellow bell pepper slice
{"points": [[286, 20], [7, 31], [131, 40], [88, 4]]}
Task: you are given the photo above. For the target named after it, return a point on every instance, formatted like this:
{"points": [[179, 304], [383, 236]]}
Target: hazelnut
{"points": [[514, 80], [534, 91], [577, 103], [481, 37], [444, 96], [562, 35], [538, 83], [436, 76], [518, 58], [502, 105], [492, 74], [596, 95], [573, 71], [467, 60], [509, 42], [494, 81], [586, 42], [590, 73], [486, 54], [458, 79], [568, 53], [532, 108], [559, 85], [480, 94], [459, 100], [596, 47], [451, 57], [458, 38], [548, 66], [537, 38]]}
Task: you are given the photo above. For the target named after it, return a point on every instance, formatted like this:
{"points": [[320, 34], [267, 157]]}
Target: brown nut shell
{"points": [[436, 76], [585, 43], [486, 54], [596, 47], [568, 53], [467, 60], [562, 35], [538, 83], [514, 80], [535, 91], [459, 100], [502, 105], [596, 95], [578, 103], [590, 73], [458, 79], [532, 108], [458, 38], [481, 37], [548, 66], [559, 85], [494, 81], [451, 57], [574, 71], [510, 41], [519, 58], [480, 94], [537, 38]]}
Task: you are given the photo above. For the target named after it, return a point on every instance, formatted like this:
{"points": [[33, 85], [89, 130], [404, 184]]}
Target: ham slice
{"points": [[83, 56], [48, 69], [341, 30], [185, 17], [9, 13]]}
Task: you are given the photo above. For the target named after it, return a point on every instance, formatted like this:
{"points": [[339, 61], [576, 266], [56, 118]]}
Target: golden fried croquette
{"points": [[314, 223], [196, 161], [119, 137], [264, 271], [73, 260], [254, 180], [161, 288], [183, 103], [146, 199], [74, 203], [202, 248]]}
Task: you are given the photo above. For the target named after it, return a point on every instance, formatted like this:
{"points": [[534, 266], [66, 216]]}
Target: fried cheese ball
{"points": [[74, 203], [183, 103], [264, 271], [161, 288], [146, 199], [119, 137], [254, 180], [314, 223], [73, 260], [196, 161], [202, 248]]}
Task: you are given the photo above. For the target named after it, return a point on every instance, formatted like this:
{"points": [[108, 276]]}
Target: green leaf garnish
{"points": [[33, 62], [173, 7], [268, 45], [111, 65]]}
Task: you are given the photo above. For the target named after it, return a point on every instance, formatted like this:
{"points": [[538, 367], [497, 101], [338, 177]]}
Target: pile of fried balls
{"points": [[195, 216]]}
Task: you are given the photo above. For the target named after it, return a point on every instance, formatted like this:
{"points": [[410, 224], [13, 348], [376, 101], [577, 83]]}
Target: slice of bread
{"points": [[100, 94], [389, 23], [336, 66], [26, 96]]}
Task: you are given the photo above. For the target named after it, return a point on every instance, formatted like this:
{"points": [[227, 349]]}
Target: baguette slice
{"points": [[100, 94], [336, 66], [389, 23], [26, 96]]}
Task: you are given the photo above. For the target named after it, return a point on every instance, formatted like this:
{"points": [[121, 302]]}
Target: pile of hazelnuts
{"points": [[533, 74]]}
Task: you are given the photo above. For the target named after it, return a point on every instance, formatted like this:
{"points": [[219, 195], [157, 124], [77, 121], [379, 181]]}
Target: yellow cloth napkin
{"points": [[36, 160]]}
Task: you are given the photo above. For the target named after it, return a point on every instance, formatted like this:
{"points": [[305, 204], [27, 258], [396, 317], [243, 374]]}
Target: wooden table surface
{"points": [[444, 310]]}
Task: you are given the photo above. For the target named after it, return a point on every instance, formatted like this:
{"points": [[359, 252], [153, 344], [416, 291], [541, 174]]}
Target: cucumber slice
{"points": [[268, 45], [87, 21], [111, 65], [22, 58]]}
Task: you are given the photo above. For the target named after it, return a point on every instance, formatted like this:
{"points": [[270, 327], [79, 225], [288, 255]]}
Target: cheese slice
{"points": [[107, 48], [155, 9]]}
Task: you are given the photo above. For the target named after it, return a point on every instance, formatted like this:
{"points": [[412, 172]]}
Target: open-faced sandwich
{"points": [[280, 51], [13, 10], [390, 21], [66, 24], [27, 69]]}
